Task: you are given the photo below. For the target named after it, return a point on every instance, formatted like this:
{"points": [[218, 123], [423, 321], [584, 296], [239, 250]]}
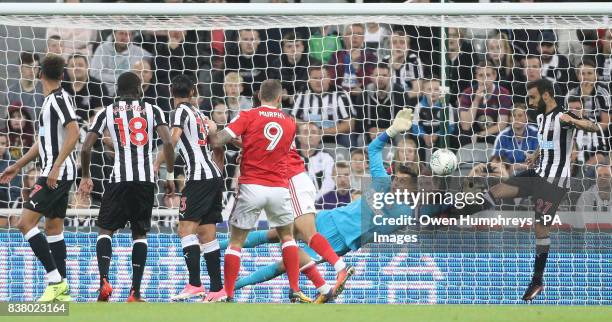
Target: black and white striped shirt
{"points": [[330, 106], [555, 143], [57, 111], [131, 125], [193, 144], [411, 70], [593, 103], [590, 143]]}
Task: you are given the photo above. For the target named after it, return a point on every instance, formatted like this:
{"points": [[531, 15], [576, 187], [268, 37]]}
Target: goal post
{"points": [[435, 271]]}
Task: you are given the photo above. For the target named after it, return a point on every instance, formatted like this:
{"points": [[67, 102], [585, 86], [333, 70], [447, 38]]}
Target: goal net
{"points": [[346, 72]]}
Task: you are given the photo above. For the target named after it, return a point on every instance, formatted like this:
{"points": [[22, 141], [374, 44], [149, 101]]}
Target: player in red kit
{"points": [[267, 135]]}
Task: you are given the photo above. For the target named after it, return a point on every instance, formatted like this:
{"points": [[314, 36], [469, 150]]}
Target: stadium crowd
{"points": [[344, 84]]}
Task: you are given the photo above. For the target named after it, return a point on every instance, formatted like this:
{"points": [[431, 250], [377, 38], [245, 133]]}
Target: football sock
{"points": [[320, 245], [212, 256], [139, 258], [312, 272], [104, 251], [261, 275], [542, 249], [191, 253], [292, 263], [231, 268], [40, 247], [58, 250]]}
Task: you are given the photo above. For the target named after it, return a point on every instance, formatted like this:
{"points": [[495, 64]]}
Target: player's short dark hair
{"points": [[182, 86], [52, 67], [128, 85], [28, 58], [543, 85], [574, 99], [270, 90]]}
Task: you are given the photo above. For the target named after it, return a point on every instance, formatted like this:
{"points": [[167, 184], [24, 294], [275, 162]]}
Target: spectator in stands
{"points": [[8, 193], [325, 106], [249, 59], [434, 122], [406, 66], [484, 108], [380, 102], [501, 57], [291, 68], [55, 46], [595, 96], [323, 43], [460, 59], [555, 67], [375, 35], [174, 56], [531, 71], [604, 58], [518, 141], [152, 93], [20, 129], [591, 147], [27, 90], [115, 56], [350, 66], [74, 40], [597, 198], [88, 92], [319, 164], [234, 100], [359, 164], [341, 194], [219, 113]]}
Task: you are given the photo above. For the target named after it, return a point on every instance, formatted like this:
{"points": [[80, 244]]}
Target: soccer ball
{"points": [[443, 162]]}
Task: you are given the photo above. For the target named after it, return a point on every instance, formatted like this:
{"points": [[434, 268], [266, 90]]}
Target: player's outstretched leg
{"points": [[28, 227], [54, 227], [209, 248], [305, 226], [104, 252], [542, 248], [139, 258], [254, 239]]}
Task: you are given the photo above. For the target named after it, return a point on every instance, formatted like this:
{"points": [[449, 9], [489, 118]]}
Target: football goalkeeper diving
{"points": [[349, 227]]}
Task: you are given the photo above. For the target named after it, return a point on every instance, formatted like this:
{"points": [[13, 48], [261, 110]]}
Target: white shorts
{"points": [[303, 194], [253, 198]]}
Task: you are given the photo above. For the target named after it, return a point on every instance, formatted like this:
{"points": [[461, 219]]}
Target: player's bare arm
{"points": [[168, 151], [218, 152], [161, 157], [222, 138], [582, 124], [86, 184], [9, 173], [72, 136]]}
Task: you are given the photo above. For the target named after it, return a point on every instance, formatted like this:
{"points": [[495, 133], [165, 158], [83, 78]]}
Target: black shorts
{"points": [[51, 203], [545, 196], [202, 201], [127, 201]]}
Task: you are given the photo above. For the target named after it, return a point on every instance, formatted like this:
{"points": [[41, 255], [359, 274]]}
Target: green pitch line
{"points": [[221, 312]]}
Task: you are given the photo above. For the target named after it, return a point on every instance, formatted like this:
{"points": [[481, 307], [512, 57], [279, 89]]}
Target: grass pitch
{"points": [[231, 312]]}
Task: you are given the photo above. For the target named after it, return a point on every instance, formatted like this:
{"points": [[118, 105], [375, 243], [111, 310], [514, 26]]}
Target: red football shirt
{"points": [[295, 163], [267, 135]]}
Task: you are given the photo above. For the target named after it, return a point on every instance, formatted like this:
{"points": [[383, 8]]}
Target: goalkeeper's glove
{"points": [[401, 123]]}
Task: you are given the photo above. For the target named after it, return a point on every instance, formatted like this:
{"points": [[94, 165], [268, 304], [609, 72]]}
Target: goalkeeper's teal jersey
{"points": [[354, 222]]}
